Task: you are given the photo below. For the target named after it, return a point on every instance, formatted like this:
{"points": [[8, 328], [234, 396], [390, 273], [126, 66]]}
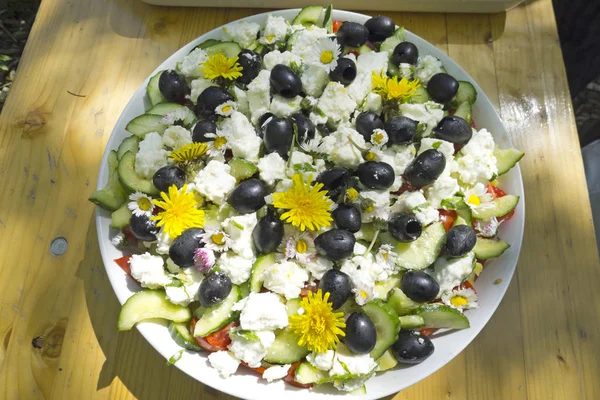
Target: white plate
{"points": [[246, 384]]}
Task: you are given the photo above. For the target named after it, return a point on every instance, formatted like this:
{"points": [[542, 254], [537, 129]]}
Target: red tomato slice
{"points": [[260, 370], [465, 285], [447, 217], [336, 25], [289, 378], [123, 262], [216, 341], [428, 331]]}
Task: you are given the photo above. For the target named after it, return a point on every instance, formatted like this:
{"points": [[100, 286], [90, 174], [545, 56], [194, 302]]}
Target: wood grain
{"points": [[542, 343]]}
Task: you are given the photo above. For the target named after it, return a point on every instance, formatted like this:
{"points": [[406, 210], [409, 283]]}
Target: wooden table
{"points": [[83, 62]]}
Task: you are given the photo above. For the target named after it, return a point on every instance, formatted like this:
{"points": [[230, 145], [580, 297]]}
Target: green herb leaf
{"points": [[237, 224], [304, 167], [174, 358], [436, 145], [175, 282]]}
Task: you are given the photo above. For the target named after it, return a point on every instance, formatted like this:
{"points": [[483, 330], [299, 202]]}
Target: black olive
{"points": [[400, 129], [419, 286], [442, 87], [454, 129], [344, 72], [268, 232], [338, 285], [210, 99], [361, 334], [285, 82], [142, 228], [460, 240], [404, 227], [376, 175], [201, 129], [167, 176], [250, 62], [334, 180], [306, 129], [380, 28], [248, 196], [173, 86], [184, 246], [261, 125], [405, 53], [352, 34], [366, 123], [412, 347], [278, 136], [347, 217], [425, 168], [335, 244], [214, 288]]}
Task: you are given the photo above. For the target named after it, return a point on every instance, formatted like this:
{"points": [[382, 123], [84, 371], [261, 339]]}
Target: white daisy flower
{"points": [[140, 204], [175, 117], [487, 227], [478, 197], [120, 241], [227, 108], [379, 137], [216, 240], [298, 245], [386, 256], [311, 145], [374, 154], [204, 259], [325, 52], [461, 299], [217, 146]]}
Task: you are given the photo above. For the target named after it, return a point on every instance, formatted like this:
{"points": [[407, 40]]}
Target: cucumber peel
{"points": [[489, 248], [149, 304], [112, 196], [506, 159], [438, 315]]}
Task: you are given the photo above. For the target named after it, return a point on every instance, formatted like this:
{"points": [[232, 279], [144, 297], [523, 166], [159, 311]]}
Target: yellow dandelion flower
{"points": [[308, 207], [392, 88], [189, 152], [219, 66], [179, 211], [319, 328]]}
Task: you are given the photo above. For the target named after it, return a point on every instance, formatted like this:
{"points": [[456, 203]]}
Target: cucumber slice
{"points": [[285, 348], [463, 211], [401, 303], [442, 316], [489, 248], [506, 159], [293, 306], [421, 253], [383, 288], [142, 125], [466, 92], [242, 169], [308, 16], [130, 178], [244, 289], [216, 317], [459, 221], [349, 307], [131, 143], [386, 324], [359, 391], [207, 43], [386, 361], [149, 304], [120, 218], [328, 19], [154, 94], [306, 373], [420, 96], [163, 109], [464, 110], [364, 49], [411, 322], [500, 207], [390, 43], [228, 49], [112, 196], [182, 336], [260, 265]]}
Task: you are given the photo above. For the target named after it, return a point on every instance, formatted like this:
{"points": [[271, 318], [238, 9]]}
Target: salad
{"points": [[309, 199]]}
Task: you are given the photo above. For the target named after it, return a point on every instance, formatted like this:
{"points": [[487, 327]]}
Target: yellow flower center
{"points": [[474, 200], [144, 204], [378, 137], [218, 238], [226, 109], [384, 256], [352, 194], [363, 294], [459, 301], [220, 142], [270, 38], [179, 213], [369, 209], [370, 156], [326, 57], [301, 246]]}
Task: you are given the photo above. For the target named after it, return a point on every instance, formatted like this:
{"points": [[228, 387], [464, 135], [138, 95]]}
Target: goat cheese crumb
{"points": [[271, 168], [214, 181], [286, 278], [224, 362], [262, 311], [151, 155], [149, 270], [244, 33], [276, 372]]}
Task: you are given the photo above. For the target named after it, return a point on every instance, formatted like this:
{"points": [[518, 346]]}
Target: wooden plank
{"points": [[558, 268]]}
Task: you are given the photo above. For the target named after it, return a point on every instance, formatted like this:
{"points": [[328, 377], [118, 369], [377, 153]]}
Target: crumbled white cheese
{"points": [[379, 201], [188, 292], [318, 266], [151, 155], [428, 113], [443, 188], [242, 100], [335, 102], [276, 372], [271, 168], [244, 33], [476, 162], [190, 65], [364, 272], [286, 278], [241, 136], [262, 311], [252, 351], [322, 361], [239, 228], [214, 181], [451, 272], [238, 268], [259, 94], [345, 362], [427, 66], [399, 157], [275, 31], [224, 362], [176, 136], [302, 41], [149, 270], [283, 107], [340, 149], [314, 79], [198, 86], [287, 58]]}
